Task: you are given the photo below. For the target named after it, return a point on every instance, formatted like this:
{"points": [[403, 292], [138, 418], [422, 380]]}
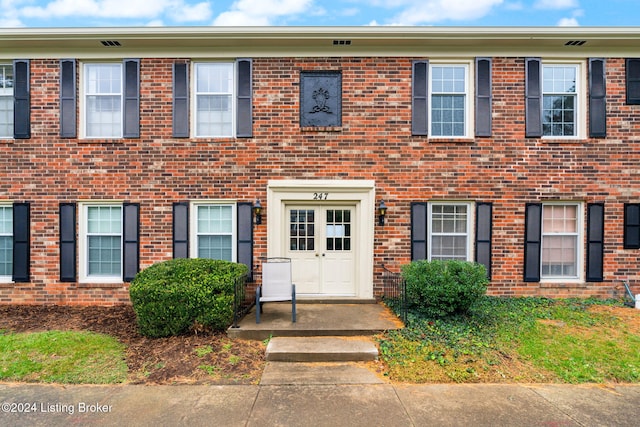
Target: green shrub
{"points": [[442, 288], [172, 297]]}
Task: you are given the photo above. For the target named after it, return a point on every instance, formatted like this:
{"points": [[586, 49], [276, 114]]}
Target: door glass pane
{"points": [[301, 230], [338, 230]]}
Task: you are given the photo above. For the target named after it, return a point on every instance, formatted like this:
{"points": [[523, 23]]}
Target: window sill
{"points": [[97, 283], [321, 129], [6, 284], [452, 140], [569, 283], [576, 140]]}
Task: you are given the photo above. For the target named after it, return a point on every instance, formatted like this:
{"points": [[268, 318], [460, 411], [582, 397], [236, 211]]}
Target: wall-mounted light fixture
{"points": [[382, 212], [257, 212]]}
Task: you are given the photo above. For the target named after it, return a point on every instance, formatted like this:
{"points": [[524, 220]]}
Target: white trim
{"points": [[580, 242], [83, 79], [193, 225], [581, 108], [470, 223], [469, 93], [360, 193], [9, 278], [83, 255], [194, 94]]}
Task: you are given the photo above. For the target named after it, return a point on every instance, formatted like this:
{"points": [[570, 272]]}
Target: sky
{"points": [[118, 13]]}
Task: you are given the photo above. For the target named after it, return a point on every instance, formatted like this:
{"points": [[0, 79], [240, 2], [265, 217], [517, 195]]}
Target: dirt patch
{"points": [[204, 358]]}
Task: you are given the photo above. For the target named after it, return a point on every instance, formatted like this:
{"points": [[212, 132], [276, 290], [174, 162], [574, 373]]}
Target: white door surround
{"points": [[358, 194]]}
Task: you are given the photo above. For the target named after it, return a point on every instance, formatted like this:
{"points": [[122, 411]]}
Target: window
{"points": [[101, 237], [214, 99], [560, 100], [449, 231], [6, 101], [560, 240], [103, 100], [449, 89], [6, 243], [214, 225]]}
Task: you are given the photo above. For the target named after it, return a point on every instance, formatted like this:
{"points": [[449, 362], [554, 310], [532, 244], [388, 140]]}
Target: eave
{"points": [[231, 42]]}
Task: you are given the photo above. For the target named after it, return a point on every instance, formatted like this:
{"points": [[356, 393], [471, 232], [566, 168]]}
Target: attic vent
{"points": [[110, 43], [575, 42], [342, 42]]}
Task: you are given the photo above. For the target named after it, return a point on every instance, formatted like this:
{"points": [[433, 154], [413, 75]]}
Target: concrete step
{"points": [[319, 373], [321, 349]]}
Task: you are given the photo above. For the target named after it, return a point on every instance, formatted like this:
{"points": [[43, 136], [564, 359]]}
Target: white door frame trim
{"points": [[360, 192]]}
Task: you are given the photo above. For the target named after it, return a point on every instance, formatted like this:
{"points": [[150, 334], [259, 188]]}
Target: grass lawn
{"points": [[62, 357], [518, 340]]}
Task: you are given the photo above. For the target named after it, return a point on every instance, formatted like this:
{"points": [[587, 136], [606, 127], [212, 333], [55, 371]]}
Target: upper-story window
{"points": [[103, 100], [214, 99], [560, 100], [6, 101], [449, 90]]}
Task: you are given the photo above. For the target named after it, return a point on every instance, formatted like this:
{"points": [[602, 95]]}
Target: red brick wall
{"points": [[374, 143]]}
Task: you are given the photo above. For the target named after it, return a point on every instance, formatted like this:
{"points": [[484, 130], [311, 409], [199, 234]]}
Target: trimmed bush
{"points": [[441, 288], [173, 297]]}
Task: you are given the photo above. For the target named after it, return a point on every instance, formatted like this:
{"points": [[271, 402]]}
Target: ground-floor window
{"points": [[214, 229], [101, 242], [6, 243], [561, 225], [449, 231]]}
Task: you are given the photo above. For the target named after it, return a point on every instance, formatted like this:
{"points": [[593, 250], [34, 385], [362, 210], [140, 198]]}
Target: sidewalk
{"points": [[321, 405]]}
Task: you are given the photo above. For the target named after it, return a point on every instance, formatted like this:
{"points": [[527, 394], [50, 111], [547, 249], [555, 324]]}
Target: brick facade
{"points": [[373, 143]]}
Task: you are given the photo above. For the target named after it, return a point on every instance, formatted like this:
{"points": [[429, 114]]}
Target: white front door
{"points": [[321, 241]]}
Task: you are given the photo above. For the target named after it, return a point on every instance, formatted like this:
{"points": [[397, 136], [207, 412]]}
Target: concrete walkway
{"points": [[320, 405]]}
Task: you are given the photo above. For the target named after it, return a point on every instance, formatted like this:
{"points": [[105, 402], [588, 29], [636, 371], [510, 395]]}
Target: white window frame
{"points": [[468, 93], [195, 94], [85, 94], [580, 236], [6, 92], [7, 278], [469, 223], [580, 94], [193, 226], [83, 262]]}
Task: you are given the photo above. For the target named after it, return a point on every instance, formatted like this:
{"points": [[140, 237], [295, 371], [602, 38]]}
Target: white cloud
{"points": [[176, 10], [568, 22], [261, 12], [430, 11], [556, 4]]}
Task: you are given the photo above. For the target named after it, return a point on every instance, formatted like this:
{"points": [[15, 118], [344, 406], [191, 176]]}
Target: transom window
{"points": [[560, 100], [214, 99], [103, 100], [6, 242], [449, 100], [449, 231], [6, 101], [215, 228], [560, 240], [102, 234]]}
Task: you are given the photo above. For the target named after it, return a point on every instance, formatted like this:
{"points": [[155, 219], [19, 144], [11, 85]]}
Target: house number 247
{"points": [[320, 196]]}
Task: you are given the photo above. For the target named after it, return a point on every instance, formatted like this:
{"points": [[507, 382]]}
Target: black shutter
{"points": [[244, 122], [68, 98], [533, 239], [245, 234], [483, 97], [21, 241], [633, 81], [632, 226], [180, 100], [418, 231], [21, 99], [131, 98], [131, 241], [595, 242], [597, 98], [533, 106], [483, 235], [67, 242], [181, 230], [420, 98]]}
